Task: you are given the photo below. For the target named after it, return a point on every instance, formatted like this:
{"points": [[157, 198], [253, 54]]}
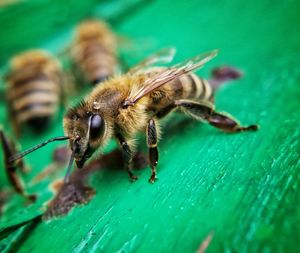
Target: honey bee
{"points": [[34, 89], [94, 51], [125, 105]]}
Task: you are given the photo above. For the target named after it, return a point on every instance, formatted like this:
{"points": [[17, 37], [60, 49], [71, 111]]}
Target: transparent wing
{"points": [[162, 56], [170, 74]]}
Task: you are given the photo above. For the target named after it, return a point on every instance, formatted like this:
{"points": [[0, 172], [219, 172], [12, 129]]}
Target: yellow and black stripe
{"points": [[97, 63], [33, 100], [192, 87], [94, 51]]}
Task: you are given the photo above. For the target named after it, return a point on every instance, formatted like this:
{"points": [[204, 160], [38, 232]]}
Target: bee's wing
{"points": [[170, 74], [162, 56]]}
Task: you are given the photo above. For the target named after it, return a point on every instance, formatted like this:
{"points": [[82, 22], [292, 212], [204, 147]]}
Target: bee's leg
{"points": [[205, 111], [152, 145], [11, 168], [127, 156], [227, 123], [19, 163]]}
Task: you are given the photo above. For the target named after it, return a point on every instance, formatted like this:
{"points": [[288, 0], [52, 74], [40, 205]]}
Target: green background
{"points": [[243, 187]]}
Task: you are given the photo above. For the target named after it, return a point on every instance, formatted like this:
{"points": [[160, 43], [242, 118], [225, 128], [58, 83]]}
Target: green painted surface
{"points": [[244, 187]]}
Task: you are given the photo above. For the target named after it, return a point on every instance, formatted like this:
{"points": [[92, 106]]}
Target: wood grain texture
{"points": [[243, 187]]}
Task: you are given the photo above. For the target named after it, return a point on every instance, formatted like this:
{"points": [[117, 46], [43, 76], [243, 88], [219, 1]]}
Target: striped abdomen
{"points": [[95, 61], [33, 100], [192, 87], [189, 86]]}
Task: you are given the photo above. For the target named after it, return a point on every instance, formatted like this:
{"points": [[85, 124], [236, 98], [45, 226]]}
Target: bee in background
{"points": [[123, 106], [94, 51], [34, 89]]}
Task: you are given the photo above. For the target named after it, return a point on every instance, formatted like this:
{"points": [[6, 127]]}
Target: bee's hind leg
{"points": [[227, 123], [205, 111], [127, 156], [152, 145]]}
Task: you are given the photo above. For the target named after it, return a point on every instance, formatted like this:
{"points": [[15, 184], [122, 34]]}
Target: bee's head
{"points": [[86, 130]]}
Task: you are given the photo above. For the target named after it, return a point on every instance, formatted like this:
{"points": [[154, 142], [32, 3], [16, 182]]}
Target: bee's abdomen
{"points": [[194, 87], [188, 86], [34, 101], [96, 62]]}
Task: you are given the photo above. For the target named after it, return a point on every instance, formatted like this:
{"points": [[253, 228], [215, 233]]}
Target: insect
{"points": [[135, 102], [34, 89], [94, 51]]}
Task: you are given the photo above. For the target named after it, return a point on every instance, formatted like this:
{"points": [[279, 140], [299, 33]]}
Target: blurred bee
{"points": [[94, 51], [34, 89], [125, 105]]}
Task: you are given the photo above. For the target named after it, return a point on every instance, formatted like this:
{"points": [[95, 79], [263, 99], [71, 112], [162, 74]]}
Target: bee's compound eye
{"points": [[96, 127]]}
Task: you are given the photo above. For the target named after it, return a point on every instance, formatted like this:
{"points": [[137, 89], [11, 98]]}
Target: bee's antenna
{"points": [[67, 176], [26, 152]]}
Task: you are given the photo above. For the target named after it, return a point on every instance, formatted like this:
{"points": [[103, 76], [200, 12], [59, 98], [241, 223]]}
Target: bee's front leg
{"points": [[152, 145], [127, 156]]}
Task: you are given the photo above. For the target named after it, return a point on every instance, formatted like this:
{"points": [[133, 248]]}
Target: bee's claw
{"points": [[152, 179], [253, 127]]}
